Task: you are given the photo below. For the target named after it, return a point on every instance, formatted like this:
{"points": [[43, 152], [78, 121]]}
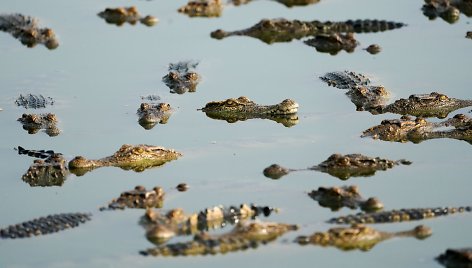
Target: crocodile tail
{"points": [[369, 26]]}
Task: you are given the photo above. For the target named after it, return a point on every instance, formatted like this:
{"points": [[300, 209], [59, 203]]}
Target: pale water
{"points": [[99, 72]]}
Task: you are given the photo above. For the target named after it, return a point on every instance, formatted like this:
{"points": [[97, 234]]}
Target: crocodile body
{"points": [[281, 30], [426, 105], [448, 10], [35, 122], [341, 166], [139, 197], [411, 214], [359, 237], [44, 225], [360, 89], [242, 108], [128, 157], [27, 31], [161, 227], [242, 237], [51, 171], [355, 165], [333, 43], [456, 258], [121, 15], [345, 196], [42, 154], [182, 77], [150, 114], [406, 129], [31, 101], [202, 8]]}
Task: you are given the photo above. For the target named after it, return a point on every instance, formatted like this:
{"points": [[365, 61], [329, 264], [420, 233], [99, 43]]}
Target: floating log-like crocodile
{"points": [[121, 15], [242, 108], [182, 77], [359, 237], [341, 166], [406, 214], [345, 196], [26, 29]]}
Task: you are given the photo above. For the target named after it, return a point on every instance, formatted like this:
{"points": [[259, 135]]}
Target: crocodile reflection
{"points": [[359, 236], [242, 109], [341, 166]]}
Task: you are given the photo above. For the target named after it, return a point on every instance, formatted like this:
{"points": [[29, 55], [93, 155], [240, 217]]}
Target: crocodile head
{"points": [[151, 114]]}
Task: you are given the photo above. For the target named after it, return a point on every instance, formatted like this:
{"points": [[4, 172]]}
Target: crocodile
{"points": [[161, 227], [139, 197], [51, 171], [456, 258], [333, 43], [448, 10], [287, 3], [373, 49], [282, 30], [244, 236], [31, 101], [121, 15], [26, 30], [42, 154], [151, 114], [44, 225], [426, 105], [35, 122], [359, 236], [242, 108], [406, 214], [417, 130], [128, 157], [361, 92], [468, 35], [341, 166], [202, 8], [182, 77], [345, 196]]}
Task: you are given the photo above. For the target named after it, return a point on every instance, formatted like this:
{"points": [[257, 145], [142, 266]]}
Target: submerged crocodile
{"points": [[448, 10], [44, 225], [242, 237], [31, 101], [26, 29], [426, 105], [341, 166], [287, 3], [410, 214], [161, 227], [456, 258], [373, 49], [242, 108], [139, 197], [345, 196], [121, 15], [202, 8], [359, 236], [52, 171], [417, 130], [281, 30], [128, 157], [373, 98], [360, 89], [333, 43], [35, 122], [152, 114], [182, 77]]}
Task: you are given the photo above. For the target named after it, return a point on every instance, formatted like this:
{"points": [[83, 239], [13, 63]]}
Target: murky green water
{"points": [[99, 72]]}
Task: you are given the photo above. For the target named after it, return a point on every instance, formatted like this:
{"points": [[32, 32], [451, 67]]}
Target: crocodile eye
{"points": [[443, 97]]}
